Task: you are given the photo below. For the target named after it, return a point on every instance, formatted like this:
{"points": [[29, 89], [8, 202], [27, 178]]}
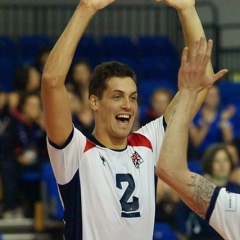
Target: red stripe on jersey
{"points": [[89, 145], [136, 140]]}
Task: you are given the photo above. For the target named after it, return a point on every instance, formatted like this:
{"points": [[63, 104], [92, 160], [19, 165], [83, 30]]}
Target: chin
{"points": [[123, 134]]}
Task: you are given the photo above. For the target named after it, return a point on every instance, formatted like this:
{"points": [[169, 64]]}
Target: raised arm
{"points": [[192, 30], [54, 94], [195, 190]]}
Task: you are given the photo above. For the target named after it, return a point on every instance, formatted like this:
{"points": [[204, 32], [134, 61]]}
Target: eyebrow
{"points": [[119, 91]]}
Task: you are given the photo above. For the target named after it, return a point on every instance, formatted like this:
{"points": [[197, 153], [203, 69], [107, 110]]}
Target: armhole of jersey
{"points": [[212, 203], [164, 124], [65, 144]]}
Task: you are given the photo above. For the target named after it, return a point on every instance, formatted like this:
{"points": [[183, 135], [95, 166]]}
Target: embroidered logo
{"points": [[136, 159], [103, 160]]}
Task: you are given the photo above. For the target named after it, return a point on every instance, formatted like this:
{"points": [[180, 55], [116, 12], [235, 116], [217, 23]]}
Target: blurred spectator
{"points": [[159, 101], [210, 125], [24, 151], [27, 80], [42, 57], [166, 198], [235, 175], [80, 75], [82, 114], [167, 201], [217, 166]]}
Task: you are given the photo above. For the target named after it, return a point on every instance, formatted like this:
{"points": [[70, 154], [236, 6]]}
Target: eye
{"points": [[117, 97], [134, 98]]}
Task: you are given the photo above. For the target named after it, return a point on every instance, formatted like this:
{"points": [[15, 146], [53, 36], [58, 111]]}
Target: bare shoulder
{"points": [[202, 191]]}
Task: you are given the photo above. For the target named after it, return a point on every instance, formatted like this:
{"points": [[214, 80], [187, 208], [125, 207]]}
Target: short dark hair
{"points": [[24, 97], [209, 154], [103, 72]]}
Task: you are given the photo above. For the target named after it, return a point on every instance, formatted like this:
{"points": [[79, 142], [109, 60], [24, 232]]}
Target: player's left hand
{"points": [[192, 73], [179, 4]]}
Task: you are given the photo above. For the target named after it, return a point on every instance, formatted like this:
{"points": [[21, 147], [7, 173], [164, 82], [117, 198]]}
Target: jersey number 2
{"points": [[129, 209]]}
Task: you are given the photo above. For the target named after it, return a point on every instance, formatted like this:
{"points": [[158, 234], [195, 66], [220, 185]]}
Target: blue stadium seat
{"points": [[117, 46], [51, 195], [229, 92], [156, 46], [7, 47], [7, 69], [158, 67], [148, 86], [87, 49], [163, 231], [29, 45]]}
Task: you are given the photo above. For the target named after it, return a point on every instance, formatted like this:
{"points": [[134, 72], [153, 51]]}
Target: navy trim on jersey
{"points": [[65, 144], [212, 203], [71, 196], [164, 124], [94, 140]]}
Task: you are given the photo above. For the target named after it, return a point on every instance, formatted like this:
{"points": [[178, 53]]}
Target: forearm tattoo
{"points": [[203, 191], [173, 112]]}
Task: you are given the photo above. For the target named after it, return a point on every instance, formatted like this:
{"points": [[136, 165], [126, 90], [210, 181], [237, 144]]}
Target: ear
{"points": [[94, 102]]}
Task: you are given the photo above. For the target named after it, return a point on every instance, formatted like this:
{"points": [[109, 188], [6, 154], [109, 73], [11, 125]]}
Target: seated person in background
{"points": [[235, 175], [210, 124], [27, 80], [82, 114], [217, 165], [167, 201], [42, 57], [160, 99], [166, 198], [24, 151], [80, 75]]}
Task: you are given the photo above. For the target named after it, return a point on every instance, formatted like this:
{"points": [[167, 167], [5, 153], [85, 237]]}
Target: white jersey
{"points": [[108, 194], [224, 213]]}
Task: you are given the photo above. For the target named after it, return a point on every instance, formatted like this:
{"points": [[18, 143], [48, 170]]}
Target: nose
{"points": [[126, 104]]}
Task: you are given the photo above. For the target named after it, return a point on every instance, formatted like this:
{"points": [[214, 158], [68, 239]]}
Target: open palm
{"points": [[192, 74]]}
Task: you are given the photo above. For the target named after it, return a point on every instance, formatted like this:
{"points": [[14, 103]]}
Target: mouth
{"points": [[123, 118]]}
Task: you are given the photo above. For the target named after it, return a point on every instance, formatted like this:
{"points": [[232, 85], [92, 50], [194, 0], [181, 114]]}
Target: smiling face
{"points": [[115, 112]]}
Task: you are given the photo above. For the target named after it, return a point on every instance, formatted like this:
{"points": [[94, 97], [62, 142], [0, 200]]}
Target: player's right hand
{"points": [[95, 4]]}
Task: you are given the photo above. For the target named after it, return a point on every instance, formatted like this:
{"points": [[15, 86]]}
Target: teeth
{"points": [[123, 116]]}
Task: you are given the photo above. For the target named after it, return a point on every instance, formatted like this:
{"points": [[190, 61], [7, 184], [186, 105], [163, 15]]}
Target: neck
{"points": [[115, 143]]}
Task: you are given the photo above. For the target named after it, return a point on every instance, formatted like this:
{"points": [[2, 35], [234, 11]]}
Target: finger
{"points": [[184, 56], [193, 54], [201, 49], [208, 53], [218, 75]]}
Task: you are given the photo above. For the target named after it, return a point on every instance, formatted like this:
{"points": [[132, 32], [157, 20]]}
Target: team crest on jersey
{"points": [[136, 159]]}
